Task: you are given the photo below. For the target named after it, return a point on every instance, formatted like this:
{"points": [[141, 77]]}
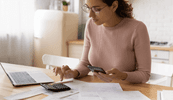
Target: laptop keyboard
{"points": [[22, 78]]}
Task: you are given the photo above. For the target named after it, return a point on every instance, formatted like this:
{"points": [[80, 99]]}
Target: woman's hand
{"points": [[110, 75], [66, 72]]}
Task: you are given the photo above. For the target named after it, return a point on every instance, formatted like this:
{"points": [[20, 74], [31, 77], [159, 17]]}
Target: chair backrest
{"points": [[52, 60], [162, 69]]}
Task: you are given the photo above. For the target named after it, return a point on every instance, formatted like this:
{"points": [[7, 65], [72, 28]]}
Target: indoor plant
{"points": [[65, 5]]}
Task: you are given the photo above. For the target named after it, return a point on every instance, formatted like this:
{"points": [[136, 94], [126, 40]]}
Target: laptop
{"points": [[23, 78]]}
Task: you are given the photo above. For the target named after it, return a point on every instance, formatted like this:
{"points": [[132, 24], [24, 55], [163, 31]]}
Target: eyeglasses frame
{"points": [[91, 9]]}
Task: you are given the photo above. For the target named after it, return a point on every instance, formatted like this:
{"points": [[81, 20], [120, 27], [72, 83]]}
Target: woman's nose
{"points": [[91, 14]]}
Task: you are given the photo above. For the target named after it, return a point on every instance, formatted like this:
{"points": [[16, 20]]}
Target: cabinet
{"points": [[75, 51], [75, 48], [160, 56], [56, 28]]}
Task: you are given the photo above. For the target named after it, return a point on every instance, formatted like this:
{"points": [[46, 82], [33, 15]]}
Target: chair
{"points": [[161, 74], [52, 60]]}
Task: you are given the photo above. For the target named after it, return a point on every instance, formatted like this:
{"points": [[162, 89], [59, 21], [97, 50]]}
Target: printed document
{"points": [[167, 95]]}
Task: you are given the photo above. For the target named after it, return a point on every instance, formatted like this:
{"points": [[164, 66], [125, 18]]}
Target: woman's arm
{"points": [[81, 67], [141, 44]]}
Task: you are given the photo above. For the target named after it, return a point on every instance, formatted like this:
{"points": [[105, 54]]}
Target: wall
{"points": [[158, 17], [156, 14]]}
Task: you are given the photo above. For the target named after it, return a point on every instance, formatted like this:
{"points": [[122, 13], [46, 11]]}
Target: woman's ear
{"points": [[114, 5]]}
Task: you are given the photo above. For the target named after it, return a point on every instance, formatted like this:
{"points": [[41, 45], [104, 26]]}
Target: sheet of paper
{"points": [[167, 95], [26, 94], [51, 97], [76, 84], [43, 90], [91, 89], [158, 95], [90, 98], [73, 97], [99, 87], [61, 95], [89, 94], [122, 95]]}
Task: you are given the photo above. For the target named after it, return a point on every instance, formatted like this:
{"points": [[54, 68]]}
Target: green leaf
{"points": [[64, 3]]}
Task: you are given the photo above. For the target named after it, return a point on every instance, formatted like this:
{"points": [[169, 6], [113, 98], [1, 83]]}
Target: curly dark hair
{"points": [[124, 9]]}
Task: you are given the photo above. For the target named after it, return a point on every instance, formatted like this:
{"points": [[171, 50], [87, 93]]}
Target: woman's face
{"points": [[104, 13]]}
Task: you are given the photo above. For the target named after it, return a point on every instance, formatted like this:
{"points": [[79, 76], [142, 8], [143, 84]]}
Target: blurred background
{"points": [[17, 24]]}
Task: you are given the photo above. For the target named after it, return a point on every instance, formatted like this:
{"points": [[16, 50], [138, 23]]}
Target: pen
{"points": [[65, 81]]}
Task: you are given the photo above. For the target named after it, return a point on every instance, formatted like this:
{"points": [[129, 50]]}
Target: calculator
{"points": [[96, 69], [56, 87]]}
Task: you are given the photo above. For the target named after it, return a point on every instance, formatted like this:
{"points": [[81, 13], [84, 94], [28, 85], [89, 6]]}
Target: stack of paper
{"points": [[165, 95], [37, 91], [108, 91], [85, 91]]}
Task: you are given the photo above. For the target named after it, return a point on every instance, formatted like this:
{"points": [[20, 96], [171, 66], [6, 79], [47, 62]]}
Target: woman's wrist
{"points": [[124, 76], [76, 73]]}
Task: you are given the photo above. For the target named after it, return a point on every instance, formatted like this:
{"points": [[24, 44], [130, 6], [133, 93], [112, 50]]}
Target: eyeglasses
{"points": [[86, 9]]}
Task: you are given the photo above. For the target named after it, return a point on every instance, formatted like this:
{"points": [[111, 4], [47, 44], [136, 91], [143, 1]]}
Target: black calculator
{"points": [[56, 87]]}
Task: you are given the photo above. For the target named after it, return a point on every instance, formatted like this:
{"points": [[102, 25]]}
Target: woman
{"points": [[113, 41]]}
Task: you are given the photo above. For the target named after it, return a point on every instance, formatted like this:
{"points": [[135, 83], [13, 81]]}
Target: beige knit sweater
{"points": [[125, 46]]}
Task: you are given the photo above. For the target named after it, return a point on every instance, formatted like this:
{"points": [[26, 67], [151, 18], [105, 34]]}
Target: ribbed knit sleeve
{"points": [[141, 44], [82, 66]]}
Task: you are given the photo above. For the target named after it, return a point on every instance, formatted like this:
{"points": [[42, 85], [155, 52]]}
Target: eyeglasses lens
{"points": [[85, 9]]}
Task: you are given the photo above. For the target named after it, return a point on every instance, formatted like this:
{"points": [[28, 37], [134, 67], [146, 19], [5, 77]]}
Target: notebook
{"points": [[23, 78]]}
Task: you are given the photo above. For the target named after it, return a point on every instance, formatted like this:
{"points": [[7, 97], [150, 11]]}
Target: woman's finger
{"points": [[64, 68], [61, 75], [53, 69], [105, 76], [102, 77], [69, 74], [112, 71], [95, 73], [56, 70]]}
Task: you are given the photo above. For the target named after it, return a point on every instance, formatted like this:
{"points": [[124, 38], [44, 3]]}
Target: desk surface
{"points": [[6, 88]]}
